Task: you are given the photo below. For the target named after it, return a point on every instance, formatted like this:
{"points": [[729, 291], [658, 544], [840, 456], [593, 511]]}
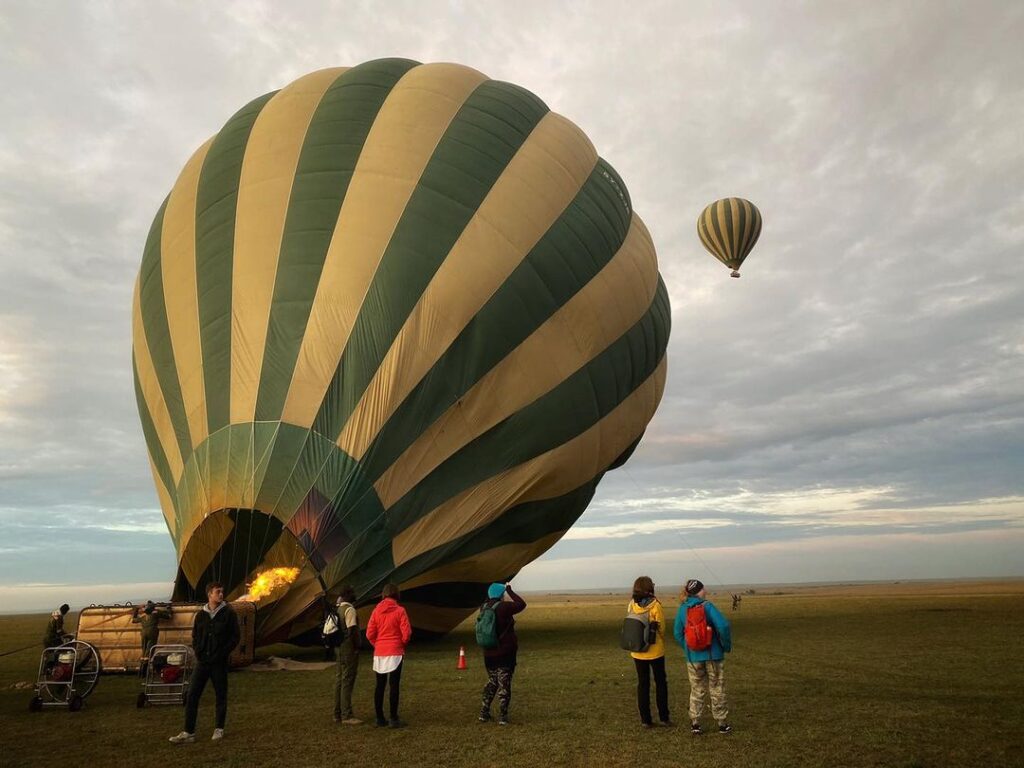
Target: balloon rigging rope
{"points": [[718, 580]]}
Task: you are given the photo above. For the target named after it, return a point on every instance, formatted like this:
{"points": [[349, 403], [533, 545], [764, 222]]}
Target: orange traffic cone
{"points": [[462, 658]]}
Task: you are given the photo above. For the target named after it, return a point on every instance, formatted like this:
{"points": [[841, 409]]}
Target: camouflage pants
{"points": [[499, 681], [705, 677]]}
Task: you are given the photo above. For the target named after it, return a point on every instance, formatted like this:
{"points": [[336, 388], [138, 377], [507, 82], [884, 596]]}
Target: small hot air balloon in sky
{"points": [[393, 323], [729, 229]]}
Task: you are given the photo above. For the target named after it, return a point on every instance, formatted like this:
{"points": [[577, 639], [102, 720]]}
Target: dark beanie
{"points": [[693, 586], [65, 608]]}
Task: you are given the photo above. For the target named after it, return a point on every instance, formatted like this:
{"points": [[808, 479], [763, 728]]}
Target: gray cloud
{"points": [[875, 340]]}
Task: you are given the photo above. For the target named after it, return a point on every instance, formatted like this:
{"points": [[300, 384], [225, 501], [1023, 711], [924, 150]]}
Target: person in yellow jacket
{"points": [[652, 659]]}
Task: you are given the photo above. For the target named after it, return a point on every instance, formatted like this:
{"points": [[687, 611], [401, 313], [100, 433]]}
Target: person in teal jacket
{"points": [[705, 668]]}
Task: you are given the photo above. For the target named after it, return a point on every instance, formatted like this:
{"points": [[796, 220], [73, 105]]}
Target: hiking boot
{"points": [[183, 738], [337, 718], [218, 734], [724, 728], [381, 723], [646, 725], [666, 724], [503, 720], [695, 729], [396, 723], [485, 717]]}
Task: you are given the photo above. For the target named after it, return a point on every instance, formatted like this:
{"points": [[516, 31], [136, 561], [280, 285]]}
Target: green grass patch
{"points": [[818, 680]]}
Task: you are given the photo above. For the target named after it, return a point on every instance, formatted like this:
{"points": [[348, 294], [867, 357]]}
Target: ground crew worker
{"points": [[348, 657], [150, 621], [55, 628]]}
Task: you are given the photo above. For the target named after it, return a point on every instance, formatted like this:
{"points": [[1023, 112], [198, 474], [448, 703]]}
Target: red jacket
{"points": [[389, 629]]}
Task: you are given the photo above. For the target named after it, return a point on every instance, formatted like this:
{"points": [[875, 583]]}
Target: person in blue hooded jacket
{"points": [[705, 668]]}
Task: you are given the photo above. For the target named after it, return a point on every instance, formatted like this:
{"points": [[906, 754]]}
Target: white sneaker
{"points": [[218, 734], [183, 738]]}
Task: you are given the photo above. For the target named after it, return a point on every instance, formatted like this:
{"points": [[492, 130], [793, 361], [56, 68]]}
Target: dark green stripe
{"points": [[580, 243], [156, 451], [756, 230], [744, 231], [575, 405], [330, 151], [732, 236], [216, 201], [521, 524], [716, 225], [483, 137], [158, 334]]}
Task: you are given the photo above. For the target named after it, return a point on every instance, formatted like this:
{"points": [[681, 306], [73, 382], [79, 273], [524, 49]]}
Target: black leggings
{"points": [[395, 680], [644, 668]]}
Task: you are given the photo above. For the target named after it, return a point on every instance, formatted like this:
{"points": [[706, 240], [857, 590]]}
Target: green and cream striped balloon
{"points": [[393, 323]]}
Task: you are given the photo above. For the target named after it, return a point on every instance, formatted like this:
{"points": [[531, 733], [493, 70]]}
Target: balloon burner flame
{"points": [[269, 582]]}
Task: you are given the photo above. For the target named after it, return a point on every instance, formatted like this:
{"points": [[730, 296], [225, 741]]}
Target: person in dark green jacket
{"points": [[150, 621], [705, 668], [55, 628]]}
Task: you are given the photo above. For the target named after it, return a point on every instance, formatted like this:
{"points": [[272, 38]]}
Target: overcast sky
{"points": [[852, 408]]}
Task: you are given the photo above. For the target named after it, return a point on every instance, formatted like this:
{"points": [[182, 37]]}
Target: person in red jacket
{"points": [[388, 631]]}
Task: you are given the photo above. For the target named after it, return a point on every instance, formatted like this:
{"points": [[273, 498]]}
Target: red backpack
{"points": [[698, 631]]}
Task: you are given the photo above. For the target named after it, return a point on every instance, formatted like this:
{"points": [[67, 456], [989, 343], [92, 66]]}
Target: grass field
{"points": [[879, 675]]}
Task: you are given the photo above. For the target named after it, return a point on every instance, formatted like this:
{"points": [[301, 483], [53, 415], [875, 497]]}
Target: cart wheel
{"points": [[87, 667], [75, 704], [36, 705], [140, 702]]}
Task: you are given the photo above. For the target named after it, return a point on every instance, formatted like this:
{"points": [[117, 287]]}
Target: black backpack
{"points": [[635, 635]]}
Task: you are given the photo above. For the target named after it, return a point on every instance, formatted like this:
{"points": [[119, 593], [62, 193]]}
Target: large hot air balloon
{"points": [[393, 323], [729, 229]]}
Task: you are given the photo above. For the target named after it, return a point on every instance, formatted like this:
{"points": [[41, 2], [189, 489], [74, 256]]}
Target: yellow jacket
{"points": [[656, 613]]}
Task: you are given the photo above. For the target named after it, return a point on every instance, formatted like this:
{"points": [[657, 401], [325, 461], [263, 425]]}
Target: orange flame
{"points": [[269, 582]]}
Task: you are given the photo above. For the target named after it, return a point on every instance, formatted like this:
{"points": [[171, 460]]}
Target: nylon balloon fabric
{"points": [[393, 323]]}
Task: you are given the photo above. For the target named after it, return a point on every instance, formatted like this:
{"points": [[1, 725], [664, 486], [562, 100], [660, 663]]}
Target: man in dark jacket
{"points": [[215, 634], [501, 661]]}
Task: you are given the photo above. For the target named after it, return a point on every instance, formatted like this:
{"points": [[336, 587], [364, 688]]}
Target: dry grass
{"points": [[876, 675]]}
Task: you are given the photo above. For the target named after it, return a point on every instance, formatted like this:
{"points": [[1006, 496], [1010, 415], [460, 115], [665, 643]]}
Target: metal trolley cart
{"points": [[168, 673], [67, 675]]}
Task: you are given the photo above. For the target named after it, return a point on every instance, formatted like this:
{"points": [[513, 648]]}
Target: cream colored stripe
{"points": [[608, 306], [547, 476], [264, 188], [166, 505], [178, 270], [412, 120], [151, 392], [709, 232], [494, 563], [530, 195]]}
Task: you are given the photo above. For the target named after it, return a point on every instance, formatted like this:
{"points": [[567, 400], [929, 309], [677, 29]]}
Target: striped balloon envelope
{"points": [[393, 323], [729, 229]]}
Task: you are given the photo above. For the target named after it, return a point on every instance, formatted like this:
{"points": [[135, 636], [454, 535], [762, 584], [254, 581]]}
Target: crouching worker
{"points": [[496, 634], [704, 633], [348, 657], [215, 634], [150, 621]]}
